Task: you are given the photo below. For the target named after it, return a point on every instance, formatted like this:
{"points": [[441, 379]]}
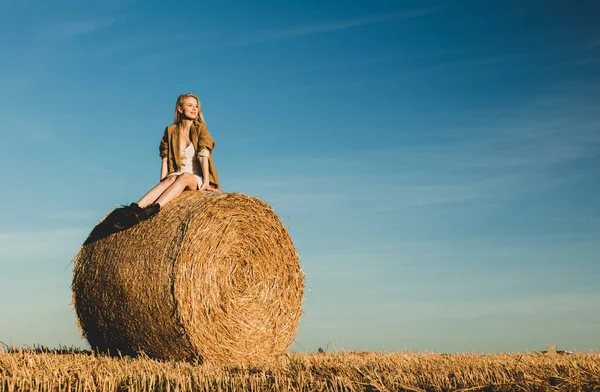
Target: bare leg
{"points": [[183, 181], [155, 192]]}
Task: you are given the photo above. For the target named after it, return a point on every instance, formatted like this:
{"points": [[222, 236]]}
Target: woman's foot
{"points": [[128, 216], [149, 211], [135, 210], [122, 218]]}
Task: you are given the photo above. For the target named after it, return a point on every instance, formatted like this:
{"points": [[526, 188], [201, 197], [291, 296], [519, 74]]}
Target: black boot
{"points": [[150, 211], [121, 218], [128, 216], [136, 211]]}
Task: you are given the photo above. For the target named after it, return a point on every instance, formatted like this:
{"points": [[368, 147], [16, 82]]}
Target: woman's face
{"points": [[190, 108]]}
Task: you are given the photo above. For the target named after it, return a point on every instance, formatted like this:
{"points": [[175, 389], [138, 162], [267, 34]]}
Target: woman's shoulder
{"points": [[199, 126], [199, 129], [170, 128]]}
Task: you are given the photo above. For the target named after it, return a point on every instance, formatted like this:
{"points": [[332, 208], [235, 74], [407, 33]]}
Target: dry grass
{"points": [[212, 276], [22, 370]]}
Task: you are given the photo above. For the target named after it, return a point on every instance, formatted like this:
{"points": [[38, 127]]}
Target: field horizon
{"points": [[39, 369]]}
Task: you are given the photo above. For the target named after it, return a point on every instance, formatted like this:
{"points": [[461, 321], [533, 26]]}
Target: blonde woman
{"points": [[187, 164]]}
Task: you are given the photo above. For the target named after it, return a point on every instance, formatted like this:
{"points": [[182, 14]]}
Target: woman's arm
{"points": [[164, 152], [163, 168], [205, 146], [205, 175]]}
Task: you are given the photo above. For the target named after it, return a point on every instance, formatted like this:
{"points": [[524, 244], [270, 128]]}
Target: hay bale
{"points": [[212, 277]]}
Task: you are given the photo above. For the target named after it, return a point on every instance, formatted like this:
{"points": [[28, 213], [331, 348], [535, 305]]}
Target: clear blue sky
{"points": [[437, 162]]}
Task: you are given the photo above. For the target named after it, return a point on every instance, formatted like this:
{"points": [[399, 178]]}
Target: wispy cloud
{"points": [[72, 29], [28, 129], [551, 304], [38, 53], [41, 245], [577, 219], [70, 215], [333, 25], [487, 170], [594, 44], [16, 3], [502, 155], [581, 62], [348, 23], [493, 65]]}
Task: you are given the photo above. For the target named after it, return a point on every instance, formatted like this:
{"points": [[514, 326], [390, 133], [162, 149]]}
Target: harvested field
{"points": [[22, 370]]}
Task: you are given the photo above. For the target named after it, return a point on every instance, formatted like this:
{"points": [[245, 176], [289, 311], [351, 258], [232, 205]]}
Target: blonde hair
{"points": [[180, 99]]}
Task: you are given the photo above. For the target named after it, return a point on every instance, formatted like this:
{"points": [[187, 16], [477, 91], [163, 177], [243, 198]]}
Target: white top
{"points": [[189, 162]]}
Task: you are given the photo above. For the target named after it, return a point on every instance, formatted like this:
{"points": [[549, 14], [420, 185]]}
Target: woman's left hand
{"points": [[207, 187]]}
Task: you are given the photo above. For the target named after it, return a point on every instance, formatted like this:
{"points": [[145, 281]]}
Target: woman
{"points": [[186, 152]]}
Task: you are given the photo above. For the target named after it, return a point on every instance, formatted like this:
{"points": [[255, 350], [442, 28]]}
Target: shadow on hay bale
{"points": [[212, 277], [106, 227]]}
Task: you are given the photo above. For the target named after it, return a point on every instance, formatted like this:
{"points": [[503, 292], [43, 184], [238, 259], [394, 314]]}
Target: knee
{"points": [[169, 180], [186, 177]]}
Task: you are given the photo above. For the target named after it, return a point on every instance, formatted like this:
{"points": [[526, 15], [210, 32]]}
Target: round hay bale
{"points": [[212, 277]]}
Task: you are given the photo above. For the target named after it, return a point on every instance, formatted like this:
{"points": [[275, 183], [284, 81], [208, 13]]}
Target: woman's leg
{"points": [[183, 181], [155, 192]]}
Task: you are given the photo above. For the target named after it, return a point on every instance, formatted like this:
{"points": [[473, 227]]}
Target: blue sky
{"points": [[437, 162]]}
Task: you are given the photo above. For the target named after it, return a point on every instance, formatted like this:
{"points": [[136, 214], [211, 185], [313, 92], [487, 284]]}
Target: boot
{"points": [[121, 218], [150, 211], [135, 210]]}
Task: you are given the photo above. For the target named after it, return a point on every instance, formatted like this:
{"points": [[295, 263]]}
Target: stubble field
{"points": [[61, 370]]}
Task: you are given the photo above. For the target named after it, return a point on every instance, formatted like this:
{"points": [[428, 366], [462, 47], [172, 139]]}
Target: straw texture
{"points": [[212, 277]]}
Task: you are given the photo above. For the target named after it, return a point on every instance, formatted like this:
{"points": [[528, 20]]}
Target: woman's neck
{"points": [[185, 125]]}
